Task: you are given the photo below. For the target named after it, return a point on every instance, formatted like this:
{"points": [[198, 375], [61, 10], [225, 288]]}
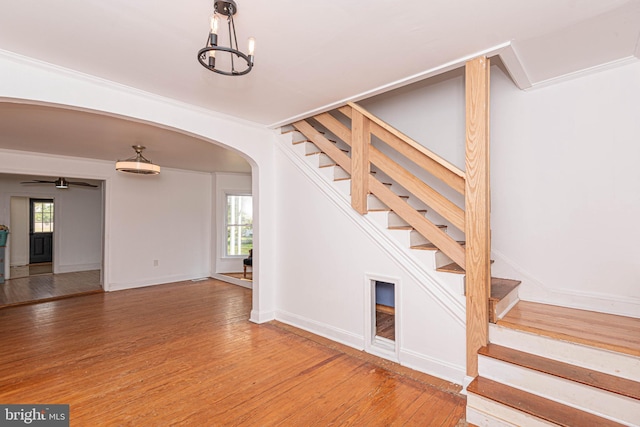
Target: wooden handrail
{"points": [[474, 219], [334, 126], [324, 144], [450, 211], [416, 220], [439, 167]]}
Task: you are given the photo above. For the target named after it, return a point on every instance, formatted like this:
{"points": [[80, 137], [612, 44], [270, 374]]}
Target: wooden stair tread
{"points": [[536, 406], [454, 268], [408, 227], [600, 330], [500, 288], [621, 386], [431, 246]]}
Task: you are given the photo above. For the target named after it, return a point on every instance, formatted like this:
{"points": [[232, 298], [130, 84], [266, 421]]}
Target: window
{"points": [[239, 225], [42, 216]]}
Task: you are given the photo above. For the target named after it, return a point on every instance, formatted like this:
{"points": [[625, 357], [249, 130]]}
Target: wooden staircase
{"points": [[560, 366], [524, 373]]}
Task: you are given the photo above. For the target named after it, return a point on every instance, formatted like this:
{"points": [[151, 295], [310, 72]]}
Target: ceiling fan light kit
{"points": [[61, 183], [137, 164], [207, 55]]}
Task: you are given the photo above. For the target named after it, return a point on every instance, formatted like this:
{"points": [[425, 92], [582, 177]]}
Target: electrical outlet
{"points": [[155, 262]]}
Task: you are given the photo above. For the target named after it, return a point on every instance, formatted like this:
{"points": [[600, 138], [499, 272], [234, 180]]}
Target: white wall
{"points": [[19, 244], [78, 223], [565, 179], [227, 183], [324, 260], [182, 248]]}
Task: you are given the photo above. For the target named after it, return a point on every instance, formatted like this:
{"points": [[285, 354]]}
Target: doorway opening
{"points": [[382, 317], [41, 230], [385, 310]]}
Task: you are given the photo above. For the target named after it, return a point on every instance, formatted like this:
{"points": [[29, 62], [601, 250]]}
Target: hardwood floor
{"points": [[48, 287], [185, 354]]}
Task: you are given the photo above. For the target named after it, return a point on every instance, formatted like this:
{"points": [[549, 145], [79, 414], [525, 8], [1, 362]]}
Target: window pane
{"points": [[239, 225], [42, 217]]}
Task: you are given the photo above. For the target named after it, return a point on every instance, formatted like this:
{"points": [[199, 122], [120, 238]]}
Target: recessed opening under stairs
{"points": [[385, 310]]}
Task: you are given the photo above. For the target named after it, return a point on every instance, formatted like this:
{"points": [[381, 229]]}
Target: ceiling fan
{"points": [[60, 183]]}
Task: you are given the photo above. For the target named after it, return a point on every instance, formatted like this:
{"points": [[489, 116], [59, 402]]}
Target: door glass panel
{"points": [[42, 217]]}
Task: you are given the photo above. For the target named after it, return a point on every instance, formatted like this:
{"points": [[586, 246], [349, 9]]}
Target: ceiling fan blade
{"points": [[37, 181], [84, 184]]}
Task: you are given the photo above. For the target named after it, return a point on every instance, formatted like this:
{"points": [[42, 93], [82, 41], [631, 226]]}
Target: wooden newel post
{"points": [[360, 140], [477, 209]]}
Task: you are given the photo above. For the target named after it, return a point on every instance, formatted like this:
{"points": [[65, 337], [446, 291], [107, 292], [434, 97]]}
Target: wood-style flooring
{"points": [[48, 287], [607, 331], [185, 354]]}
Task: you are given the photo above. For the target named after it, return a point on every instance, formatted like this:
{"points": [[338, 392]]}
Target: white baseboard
{"points": [[262, 316], [432, 366], [77, 267], [534, 290], [233, 280], [321, 329], [149, 282], [419, 362]]}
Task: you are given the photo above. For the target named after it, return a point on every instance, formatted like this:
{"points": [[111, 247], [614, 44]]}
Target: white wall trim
{"points": [[429, 365], [151, 282], [71, 268], [448, 66], [322, 329], [244, 283], [384, 348], [585, 72], [514, 66], [262, 316], [109, 84], [444, 296]]}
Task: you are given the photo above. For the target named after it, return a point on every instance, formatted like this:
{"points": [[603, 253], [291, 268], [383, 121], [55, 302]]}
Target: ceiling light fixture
{"points": [[62, 183], [207, 55], [137, 164]]}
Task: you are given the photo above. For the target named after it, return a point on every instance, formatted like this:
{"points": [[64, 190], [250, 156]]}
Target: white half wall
{"points": [[564, 175]]}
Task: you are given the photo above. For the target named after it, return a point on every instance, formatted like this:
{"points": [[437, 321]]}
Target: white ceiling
{"points": [[309, 53]]}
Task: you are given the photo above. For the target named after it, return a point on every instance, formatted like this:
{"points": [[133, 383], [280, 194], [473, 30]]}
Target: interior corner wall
{"points": [[565, 181], [19, 247], [227, 183]]}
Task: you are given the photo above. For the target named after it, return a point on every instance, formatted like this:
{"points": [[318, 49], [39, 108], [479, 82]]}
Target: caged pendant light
{"points": [[207, 55]]}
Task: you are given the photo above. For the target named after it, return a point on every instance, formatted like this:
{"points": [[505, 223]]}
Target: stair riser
{"points": [[310, 148], [442, 259], [617, 364], [503, 306], [373, 203], [487, 413], [588, 399]]}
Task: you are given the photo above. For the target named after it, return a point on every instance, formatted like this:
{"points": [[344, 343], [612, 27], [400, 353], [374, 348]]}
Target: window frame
{"points": [[226, 226]]}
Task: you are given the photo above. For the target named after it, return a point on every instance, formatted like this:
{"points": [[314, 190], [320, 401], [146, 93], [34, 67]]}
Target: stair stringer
{"points": [[449, 301]]}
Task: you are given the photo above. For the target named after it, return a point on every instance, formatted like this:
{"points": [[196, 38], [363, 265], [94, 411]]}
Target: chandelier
{"points": [[207, 55]]}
